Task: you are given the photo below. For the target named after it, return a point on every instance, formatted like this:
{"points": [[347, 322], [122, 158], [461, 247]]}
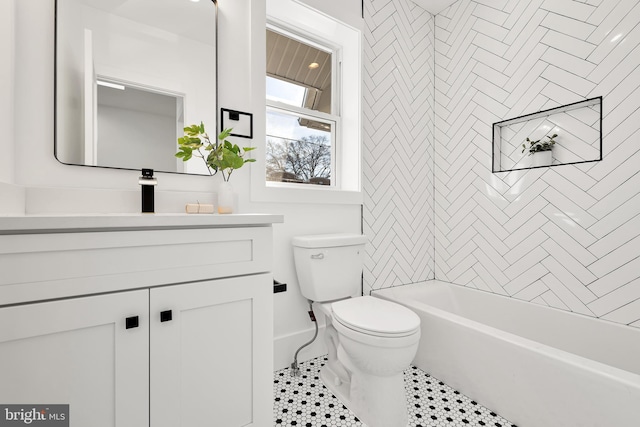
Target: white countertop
{"points": [[34, 224]]}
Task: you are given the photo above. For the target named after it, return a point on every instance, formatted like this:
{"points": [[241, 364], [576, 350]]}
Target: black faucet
{"points": [[147, 181]]}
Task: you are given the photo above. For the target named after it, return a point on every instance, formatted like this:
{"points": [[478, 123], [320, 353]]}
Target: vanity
{"points": [[139, 320]]}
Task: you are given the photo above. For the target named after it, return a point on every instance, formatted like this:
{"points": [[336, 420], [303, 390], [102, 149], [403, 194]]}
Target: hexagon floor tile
{"points": [[305, 402]]}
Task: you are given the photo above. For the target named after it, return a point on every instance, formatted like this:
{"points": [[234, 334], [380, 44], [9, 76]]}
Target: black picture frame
{"points": [[235, 116]]}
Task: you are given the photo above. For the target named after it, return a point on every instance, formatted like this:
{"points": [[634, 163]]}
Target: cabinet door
{"points": [[211, 364], [79, 352]]}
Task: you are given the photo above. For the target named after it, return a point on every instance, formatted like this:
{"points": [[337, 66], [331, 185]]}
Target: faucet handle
{"points": [[147, 178]]}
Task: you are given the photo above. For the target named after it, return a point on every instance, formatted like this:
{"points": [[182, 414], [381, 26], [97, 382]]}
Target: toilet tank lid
{"points": [[329, 240]]}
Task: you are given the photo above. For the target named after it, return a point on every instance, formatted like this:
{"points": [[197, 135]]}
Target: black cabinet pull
{"points": [[132, 322], [166, 316]]}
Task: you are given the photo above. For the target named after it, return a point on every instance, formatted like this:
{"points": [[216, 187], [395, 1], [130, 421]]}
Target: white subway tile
{"points": [[553, 301], [569, 8], [533, 293], [568, 25], [615, 299]]}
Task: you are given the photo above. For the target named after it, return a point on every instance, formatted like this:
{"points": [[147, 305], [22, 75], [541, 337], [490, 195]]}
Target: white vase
{"points": [[542, 158], [226, 198]]}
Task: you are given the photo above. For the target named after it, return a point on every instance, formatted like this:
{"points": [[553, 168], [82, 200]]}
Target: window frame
{"points": [[298, 17], [336, 94]]}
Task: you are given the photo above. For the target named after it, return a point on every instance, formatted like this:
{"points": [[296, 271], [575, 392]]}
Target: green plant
{"points": [[535, 146], [222, 155]]}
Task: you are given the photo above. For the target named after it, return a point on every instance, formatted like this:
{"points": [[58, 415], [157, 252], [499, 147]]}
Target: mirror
{"points": [[130, 74]]}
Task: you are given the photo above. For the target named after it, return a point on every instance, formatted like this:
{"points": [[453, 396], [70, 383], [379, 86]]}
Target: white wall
{"points": [[12, 197], [566, 236], [70, 100], [6, 91]]}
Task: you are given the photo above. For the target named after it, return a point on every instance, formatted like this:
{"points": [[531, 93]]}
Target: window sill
{"points": [[293, 193]]}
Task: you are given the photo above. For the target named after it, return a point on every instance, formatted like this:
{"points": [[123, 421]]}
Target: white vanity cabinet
{"points": [[78, 351], [168, 324], [206, 361]]}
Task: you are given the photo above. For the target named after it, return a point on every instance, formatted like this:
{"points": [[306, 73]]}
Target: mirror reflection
{"points": [[129, 75]]}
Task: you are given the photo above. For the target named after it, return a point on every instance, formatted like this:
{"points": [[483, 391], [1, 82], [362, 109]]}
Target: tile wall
{"points": [[398, 149], [565, 236]]}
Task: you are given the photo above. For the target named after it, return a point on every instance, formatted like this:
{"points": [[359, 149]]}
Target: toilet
{"points": [[370, 341]]}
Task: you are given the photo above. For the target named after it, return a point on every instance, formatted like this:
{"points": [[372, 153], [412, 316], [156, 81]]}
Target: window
{"points": [[301, 124], [310, 151]]}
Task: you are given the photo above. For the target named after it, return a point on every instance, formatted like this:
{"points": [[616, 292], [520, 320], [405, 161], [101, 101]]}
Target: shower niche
{"points": [[574, 130]]}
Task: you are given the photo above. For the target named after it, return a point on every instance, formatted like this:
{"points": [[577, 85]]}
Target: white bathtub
{"points": [[534, 365]]}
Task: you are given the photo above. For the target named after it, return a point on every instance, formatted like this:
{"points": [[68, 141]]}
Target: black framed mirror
{"points": [[130, 74]]}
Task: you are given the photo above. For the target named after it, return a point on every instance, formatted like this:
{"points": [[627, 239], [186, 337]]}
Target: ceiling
{"points": [[289, 60], [434, 6]]}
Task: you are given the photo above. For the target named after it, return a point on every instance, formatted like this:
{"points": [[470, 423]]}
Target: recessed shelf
{"points": [[579, 140]]}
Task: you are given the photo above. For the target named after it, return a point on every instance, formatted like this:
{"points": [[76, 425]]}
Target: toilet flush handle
{"points": [[317, 256]]}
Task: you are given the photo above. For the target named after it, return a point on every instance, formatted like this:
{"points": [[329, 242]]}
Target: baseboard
{"points": [[12, 199], [285, 346]]}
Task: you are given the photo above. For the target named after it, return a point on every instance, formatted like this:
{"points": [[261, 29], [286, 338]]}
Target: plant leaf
{"points": [[225, 134]]}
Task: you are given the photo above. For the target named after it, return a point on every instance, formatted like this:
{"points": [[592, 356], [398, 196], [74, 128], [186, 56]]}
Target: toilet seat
{"points": [[376, 317], [375, 341]]}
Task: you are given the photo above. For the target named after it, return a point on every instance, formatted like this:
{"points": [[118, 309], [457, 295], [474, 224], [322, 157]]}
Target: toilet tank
{"points": [[329, 266]]}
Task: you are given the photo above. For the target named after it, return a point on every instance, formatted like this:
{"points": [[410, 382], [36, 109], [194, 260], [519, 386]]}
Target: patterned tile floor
{"points": [[304, 401]]}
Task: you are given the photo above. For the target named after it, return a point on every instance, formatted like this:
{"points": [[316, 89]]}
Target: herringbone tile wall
{"points": [[566, 236], [398, 143]]}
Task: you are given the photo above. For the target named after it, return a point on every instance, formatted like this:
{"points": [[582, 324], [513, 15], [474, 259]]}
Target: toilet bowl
{"points": [[370, 341]]}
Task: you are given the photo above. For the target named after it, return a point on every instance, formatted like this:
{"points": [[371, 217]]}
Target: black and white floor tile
{"points": [[305, 402]]}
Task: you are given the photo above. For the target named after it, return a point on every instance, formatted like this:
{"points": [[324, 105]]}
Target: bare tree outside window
{"points": [[303, 160]]}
